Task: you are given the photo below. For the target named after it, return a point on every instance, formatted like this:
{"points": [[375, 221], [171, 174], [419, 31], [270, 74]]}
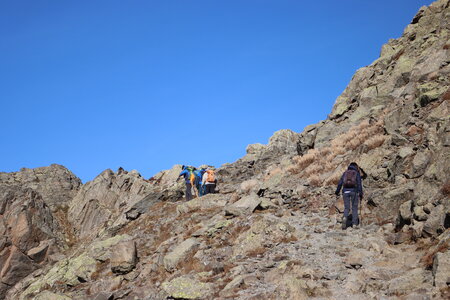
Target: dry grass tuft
{"points": [[307, 159], [375, 141], [315, 180], [334, 178]]}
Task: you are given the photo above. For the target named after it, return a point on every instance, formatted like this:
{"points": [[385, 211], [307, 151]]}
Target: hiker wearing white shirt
{"points": [[209, 181]]}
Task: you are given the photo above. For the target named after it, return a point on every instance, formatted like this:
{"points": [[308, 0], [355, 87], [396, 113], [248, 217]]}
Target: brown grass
{"points": [[375, 141], [335, 177], [315, 180], [259, 251], [320, 166]]}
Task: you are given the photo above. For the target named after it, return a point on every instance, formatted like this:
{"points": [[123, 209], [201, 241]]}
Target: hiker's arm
{"points": [[339, 186], [360, 190]]}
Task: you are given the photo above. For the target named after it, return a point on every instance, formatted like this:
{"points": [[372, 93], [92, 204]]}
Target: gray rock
{"points": [[435, 222], [124, 257], [405, 211], [441, 270], [419, 214], [179, 253], [187, 287], [244, 206]]}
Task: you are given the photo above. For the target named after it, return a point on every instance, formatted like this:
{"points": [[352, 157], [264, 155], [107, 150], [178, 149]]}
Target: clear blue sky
{"points": [[148, 84]]}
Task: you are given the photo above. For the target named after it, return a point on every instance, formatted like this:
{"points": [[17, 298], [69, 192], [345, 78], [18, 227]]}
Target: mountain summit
{"points": [[271, 231]]}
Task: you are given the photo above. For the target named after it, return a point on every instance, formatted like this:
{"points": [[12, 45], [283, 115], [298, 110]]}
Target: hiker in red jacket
{"points": [[352, 193]]}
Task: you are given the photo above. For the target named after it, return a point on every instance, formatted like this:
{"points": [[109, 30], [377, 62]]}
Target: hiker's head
{"points": [[353, 165]]}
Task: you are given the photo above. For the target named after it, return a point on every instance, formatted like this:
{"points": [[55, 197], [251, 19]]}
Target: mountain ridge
{"points": [[272, 230]]}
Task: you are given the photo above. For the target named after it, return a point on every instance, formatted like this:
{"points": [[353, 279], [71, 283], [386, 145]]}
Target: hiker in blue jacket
{"points": [[198, 181], [352, 193], [186, 173]]}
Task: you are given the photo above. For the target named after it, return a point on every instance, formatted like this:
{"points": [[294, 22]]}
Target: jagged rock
{"points": [[124, 257], [16, 267], [39, 253], [179, 253], [187, 287], [435, 222], [441, 269], [105, 197], [244, 206], [56, 185], [405, 211]]}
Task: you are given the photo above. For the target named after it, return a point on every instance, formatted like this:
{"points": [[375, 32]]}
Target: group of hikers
{"points": [[203, 181]]}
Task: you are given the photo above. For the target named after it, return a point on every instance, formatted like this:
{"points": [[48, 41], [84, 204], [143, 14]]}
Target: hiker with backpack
{"points": [[198, 181], [188, 174], [209, 181], [352, 193]]}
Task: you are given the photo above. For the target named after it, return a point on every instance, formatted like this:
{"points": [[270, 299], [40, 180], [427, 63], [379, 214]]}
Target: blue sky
{"points": [[148, 84]]}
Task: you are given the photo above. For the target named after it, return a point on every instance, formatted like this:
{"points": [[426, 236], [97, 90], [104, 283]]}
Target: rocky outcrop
{"points": [[55, 184], [29, 233], [101, 201]]}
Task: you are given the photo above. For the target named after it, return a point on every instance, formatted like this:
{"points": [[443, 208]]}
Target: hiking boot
{"points": [[344, 223], [355, 226]]}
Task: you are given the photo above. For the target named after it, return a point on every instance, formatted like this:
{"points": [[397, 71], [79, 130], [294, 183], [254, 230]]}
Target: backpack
{"points": [[211, 177], [191, 174], [350, 179], [198, 176]]}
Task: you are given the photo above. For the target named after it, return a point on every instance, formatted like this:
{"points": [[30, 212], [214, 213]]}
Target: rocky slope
{"points": [[272, 231]]}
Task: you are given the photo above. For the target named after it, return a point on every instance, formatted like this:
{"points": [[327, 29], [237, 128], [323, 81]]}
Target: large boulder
{"points": [[244, 206], [179, 253], [124, 257]]}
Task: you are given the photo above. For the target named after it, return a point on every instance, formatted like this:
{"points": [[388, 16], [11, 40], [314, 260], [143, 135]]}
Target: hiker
{"points": [[198, 181], [187, 173], [209, 181], [352, 193]]}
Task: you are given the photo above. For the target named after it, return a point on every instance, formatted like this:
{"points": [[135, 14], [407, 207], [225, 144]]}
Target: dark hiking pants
{"points": [[210, 188], [351, 201], [188, 191]]}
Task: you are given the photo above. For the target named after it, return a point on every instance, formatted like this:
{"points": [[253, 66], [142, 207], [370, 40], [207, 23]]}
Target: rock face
{"points": [[29, 229], [273, 229], [104, 198], [56, 185]]}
